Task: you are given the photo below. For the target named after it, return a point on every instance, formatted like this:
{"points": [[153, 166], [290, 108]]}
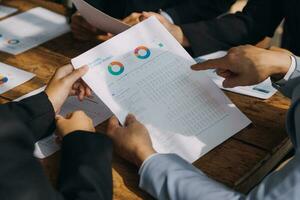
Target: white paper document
{"points": [[264, 90], [145, 71], [99, 19], [11, 77], [5, 11], [24, 31], [93, 107]]}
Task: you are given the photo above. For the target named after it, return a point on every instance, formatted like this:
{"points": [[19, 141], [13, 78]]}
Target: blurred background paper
{"points": [[11, 77], [99, 19], [24, 31], [5, 11]]}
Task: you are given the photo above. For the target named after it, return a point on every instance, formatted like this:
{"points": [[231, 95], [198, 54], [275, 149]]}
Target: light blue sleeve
{"points": [[291, 89], [167, 176]]}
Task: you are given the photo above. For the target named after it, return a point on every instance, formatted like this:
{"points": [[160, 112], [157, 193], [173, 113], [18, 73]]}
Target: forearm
{"points": [[195, 10], [213, 35], [170, 177], [258, 20], [85, 171], [36, 112]]}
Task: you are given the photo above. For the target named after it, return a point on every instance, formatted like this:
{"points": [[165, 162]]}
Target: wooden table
{"points": [[240, 162]]}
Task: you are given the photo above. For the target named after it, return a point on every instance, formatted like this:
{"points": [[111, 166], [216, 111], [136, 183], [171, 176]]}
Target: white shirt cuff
{"points": [[291, 70]]}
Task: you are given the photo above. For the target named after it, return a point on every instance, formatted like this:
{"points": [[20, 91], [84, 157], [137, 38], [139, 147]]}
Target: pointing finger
{"points": [[219, 63]]}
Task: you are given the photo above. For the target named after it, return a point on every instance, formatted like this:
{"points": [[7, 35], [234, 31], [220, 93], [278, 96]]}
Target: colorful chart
{"points": [[142, 52], [13, 41], [3, 79], [113, 65]]}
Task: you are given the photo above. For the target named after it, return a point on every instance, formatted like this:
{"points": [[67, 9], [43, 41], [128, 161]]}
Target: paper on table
{"points": [[11, 77], [264, 90], [24, 31], [93, 107], [145, 71], [5, 11], [99, 19]]}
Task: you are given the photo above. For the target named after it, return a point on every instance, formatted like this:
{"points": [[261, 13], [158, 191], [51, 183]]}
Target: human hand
{"points": [[248, 65], [175, 30], [76, 121], [132, 19], [66, 81], [132, 141]]}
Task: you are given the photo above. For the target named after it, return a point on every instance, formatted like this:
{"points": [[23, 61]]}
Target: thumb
{"points": [[77, 74], [219, 63], [144, 16], [130, 119]]}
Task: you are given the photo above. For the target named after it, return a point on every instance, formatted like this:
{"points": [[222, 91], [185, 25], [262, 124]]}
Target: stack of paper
{"points": [[24, 31], [5, 11], [11, 77], [145, 71]]}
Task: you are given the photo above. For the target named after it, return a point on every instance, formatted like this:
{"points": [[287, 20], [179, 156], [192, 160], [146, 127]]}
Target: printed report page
{"points": [[146, 72]]}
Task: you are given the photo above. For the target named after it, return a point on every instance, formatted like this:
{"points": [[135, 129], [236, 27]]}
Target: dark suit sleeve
{"points": [[21, 176], [36, 112], [258, 20], [198, 10], [85, 171], [85, 166]]}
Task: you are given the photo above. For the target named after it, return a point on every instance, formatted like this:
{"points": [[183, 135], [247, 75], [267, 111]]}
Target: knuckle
{"points": [[111, 129], [63, 82], [81, 112], [231, 56], [234, 49]]}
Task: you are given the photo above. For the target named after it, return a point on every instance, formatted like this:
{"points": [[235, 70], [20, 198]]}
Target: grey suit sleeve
{"points": [[259, 19]]}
